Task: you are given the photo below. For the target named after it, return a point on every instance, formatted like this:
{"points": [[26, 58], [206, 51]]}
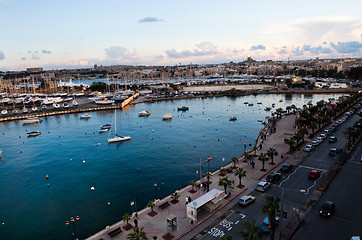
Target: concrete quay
{"points": [[156, 226]]}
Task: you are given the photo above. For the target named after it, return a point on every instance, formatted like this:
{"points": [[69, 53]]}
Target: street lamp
{"points": [[155, 190], [72, 219], [281, 208]]}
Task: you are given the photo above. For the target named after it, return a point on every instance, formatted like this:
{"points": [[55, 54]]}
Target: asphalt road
{"points": [[345, 192], [294, 188]]}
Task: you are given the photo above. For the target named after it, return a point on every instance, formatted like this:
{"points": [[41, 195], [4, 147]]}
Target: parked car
{"points": [[314, 143], [246, 200], [332, 139], [326, 131], [314, 174], [273, 177], [286, 168], [320, 139], [265, 224], [323, 135], [262, 186], [308, 148], [327, 209]]}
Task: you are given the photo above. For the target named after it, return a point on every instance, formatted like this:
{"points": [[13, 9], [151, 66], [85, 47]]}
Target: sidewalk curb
{"points": [[188, 231]]}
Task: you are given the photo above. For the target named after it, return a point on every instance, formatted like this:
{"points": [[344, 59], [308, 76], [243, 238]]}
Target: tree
{"points": [[208, 176], [151, 204], [193, 184], [252, 231], [235, 160], [246, 155], [240, 173], [126, 217], [291, 142], [175, 196], [278, 112], [312, 125], [263, 157], [272, 152], [138, 234], [222, 171], [288, 108], [271, 208], [224, 182]]}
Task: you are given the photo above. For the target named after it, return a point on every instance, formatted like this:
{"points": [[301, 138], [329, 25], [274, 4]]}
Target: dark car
{"points": [[333, 151], [286, 168], [327, 209], [332, 139], [273, 177], [314, 174]]}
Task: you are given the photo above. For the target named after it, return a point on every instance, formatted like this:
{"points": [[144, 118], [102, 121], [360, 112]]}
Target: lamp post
{"points": [[72, 220], [155, 191], [281, 208]]}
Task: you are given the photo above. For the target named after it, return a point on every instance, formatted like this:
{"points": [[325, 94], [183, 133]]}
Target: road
{"points": [[345, 192], [295, 187]]}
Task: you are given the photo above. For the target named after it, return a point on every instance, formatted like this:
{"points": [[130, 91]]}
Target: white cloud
{"points": [[2, 55], [202, 49], [35, 57], [347, 47], [258, 47], [149, 20], [120, 53]]}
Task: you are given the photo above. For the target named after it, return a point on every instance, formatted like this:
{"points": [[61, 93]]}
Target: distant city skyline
{"points": [[79, 34]]}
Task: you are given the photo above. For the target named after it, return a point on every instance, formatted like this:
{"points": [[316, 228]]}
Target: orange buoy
{"points": [[46, 176]]}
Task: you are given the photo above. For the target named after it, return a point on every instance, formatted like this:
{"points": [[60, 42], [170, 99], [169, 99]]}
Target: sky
{"points": [[80, 33]]}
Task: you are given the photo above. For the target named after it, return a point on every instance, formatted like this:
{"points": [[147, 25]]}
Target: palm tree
{"points": [[271, 208], [138, 234], [291, 143], [263, 157], [208, 176], [313, 125], [225, 182], [175, 196], [235, 160], [288, 108], [222, 171], [193, 184], [278, 112], [151, 204], [252, 231], [272, 152], [240, 173], [126, 217], [246, 155]]}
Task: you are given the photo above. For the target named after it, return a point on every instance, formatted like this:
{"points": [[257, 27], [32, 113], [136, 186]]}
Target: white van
{"points": [[262, 186]]}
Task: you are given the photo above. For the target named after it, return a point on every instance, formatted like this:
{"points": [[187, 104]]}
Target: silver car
{"points": [[246, 200]]}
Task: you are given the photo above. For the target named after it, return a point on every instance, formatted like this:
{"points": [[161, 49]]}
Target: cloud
{"points": [[298, 51], [149, 20], [120, 53], [4, 2], [202, 49], [282, 51], [23, 58], [317, 50], [29, 51], [2, 55], [258, 47], [347, 47], [46, 52], [35, 57]]}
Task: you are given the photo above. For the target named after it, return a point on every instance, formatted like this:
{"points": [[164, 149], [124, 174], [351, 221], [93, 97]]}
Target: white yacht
{"points": [[167, 116], [144, 113]]}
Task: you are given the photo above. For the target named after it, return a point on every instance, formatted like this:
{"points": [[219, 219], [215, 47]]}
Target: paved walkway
{"points": [[157, 225]]}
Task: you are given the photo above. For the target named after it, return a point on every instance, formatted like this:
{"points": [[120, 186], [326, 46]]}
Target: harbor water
{"points": [[76, 157]]}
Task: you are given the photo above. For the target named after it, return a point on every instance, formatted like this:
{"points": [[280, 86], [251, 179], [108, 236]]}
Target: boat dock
{"points": [[68, 111]]}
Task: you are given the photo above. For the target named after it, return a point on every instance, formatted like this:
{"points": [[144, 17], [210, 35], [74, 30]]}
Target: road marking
{"points": [[237, 222], [280, 184], [320, 169], [242, 215]]}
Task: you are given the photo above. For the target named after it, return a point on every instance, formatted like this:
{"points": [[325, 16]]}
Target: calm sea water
{"points": [[76, 157]]}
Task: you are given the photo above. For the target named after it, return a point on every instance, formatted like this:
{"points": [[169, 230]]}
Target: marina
{"points": [[162, 152]]}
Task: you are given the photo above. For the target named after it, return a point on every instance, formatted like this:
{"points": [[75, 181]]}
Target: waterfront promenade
{"points": [[156, 226]]}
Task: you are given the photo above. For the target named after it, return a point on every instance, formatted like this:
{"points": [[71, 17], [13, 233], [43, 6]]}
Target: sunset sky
{"points": [[79, 33]]}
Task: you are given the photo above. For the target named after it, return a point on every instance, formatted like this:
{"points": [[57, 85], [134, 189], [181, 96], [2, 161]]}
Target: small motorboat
{"points": [[56, 105], [267, 108], [25, 110], [75, 103], [65, 105], [183, 108], [246, 102], [103, 130], [44, 107], [85, 116], [33, 133], [233, 118], [32, 120], [273, 105], [281, 100], [167, 116], [144, 113], [250, 104], [259, 103], [4, 112], [106, 126]]}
